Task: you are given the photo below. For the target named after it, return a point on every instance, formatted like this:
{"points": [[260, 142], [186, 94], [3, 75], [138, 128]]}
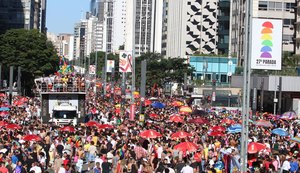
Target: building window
{"points": [[278, 6], [289, 6], [263, 5]]}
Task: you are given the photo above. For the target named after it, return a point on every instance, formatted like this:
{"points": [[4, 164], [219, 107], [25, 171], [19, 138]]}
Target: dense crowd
{"points": [[172, 137]]}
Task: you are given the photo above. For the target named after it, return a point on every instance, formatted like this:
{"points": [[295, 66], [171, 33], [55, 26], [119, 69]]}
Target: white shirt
{"points": [[159, 152], [286, 165], [187, 169], [36, 169], [99, 160], [62, 170]]}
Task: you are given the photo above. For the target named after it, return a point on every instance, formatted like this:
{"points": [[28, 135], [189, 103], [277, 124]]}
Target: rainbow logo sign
{"points": [[267, 39]]}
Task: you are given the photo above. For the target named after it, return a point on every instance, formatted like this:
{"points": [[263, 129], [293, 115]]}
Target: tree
{"points": [[161, 70], [30, 50]]}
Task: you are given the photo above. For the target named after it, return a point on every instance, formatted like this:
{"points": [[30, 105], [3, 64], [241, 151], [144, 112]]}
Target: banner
{"points": [[110, 65], [92, 69], [132, 112], [125, 62], [266, 44]]}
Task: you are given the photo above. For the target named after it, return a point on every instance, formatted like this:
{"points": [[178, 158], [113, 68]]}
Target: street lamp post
{"points": [[229, 100]]}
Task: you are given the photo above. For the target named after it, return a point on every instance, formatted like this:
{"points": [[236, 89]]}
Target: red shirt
{"points": [[3, 169]]}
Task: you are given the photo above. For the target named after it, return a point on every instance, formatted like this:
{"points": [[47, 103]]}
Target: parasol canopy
{"points": [[150, 134], [186, 146]]}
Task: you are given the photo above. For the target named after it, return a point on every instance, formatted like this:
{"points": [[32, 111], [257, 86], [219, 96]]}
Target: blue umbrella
{"points": [[158, 105], [296, 139], [280, 132], [4, 109], [236, 128]]}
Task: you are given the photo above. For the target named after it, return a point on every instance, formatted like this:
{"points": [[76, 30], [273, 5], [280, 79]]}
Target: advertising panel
{"points": [[266, 44]]}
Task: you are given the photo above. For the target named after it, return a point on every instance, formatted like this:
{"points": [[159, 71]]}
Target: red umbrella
{"points": [[176, 119], [147, 102], [92, 123], [150, 134], [105, 126], [186, 146], [18, 103], [227, 121], [13, 126], [67, 129], [32, 138], [2, 95], [180, 135], [263, 123], [199, 121], [3, 123], [4, 113], [23, 99], [118, 110], [214, 133], [218, 128], [153, 115], [254, 147]]}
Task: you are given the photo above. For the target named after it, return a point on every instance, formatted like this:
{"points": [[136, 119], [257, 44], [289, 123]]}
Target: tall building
{"points": [[272, 9], [112, 15], [63, 44], [27, 14], [88, 37], [148, 26], [297, 26], [195, 27]]}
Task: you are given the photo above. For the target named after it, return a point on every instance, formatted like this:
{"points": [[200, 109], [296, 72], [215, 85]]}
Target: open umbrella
{"points": [[176, 103], [3, 123], [155, 116], [186, 146], [18, 103], [280, 132], [176, 119], [199, 112], [4, 109], [32, 138], [199, 121], [92, 123], [67, 129], [147, 102], [23, 99], [235, 128], [13, 126], [254, 147], [216, 133], [180, 134], [2, 95], [150, 134], [288, 115], [105, 126], [158, 105], [218, 129], [185, 109], [296, 139], [227, 121], [4, 113], [263, 123]]}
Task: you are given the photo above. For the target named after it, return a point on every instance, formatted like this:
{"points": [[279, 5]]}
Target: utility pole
{"points": [[11, 80], [133, 51], [19, 81], [0, 76], [275, 96], [262, 94], [280, 95], [143, 84], [246, 87]]}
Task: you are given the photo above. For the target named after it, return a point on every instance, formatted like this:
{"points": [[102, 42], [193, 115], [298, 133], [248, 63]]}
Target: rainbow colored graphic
{"points": [[266, 40]]}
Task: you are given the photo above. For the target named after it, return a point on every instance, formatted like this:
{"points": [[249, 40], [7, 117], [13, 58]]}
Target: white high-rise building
{"points": [[148, 26]]}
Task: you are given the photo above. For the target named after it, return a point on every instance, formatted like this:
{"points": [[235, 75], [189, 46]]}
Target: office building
{"points": [[195, 27], [297, 27], [27, 14], [148, 26], [271, 9]]}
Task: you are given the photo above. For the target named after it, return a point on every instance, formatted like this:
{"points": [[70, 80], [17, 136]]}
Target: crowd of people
{"points": [[171, 137]]}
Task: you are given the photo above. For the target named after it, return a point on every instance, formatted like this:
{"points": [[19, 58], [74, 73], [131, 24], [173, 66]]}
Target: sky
{"points": [[63, 14]]}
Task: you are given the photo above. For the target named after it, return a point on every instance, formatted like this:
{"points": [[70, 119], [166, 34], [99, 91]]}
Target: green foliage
{"points": [[160, 69], [30, 50]]}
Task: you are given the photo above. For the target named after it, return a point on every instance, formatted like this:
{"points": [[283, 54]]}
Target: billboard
{"points": [[125, 62], [110, 65], [266, 44]]}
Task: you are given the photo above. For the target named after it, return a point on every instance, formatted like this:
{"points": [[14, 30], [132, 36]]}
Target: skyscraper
{"points": [[27, 14], [148, 26]]}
